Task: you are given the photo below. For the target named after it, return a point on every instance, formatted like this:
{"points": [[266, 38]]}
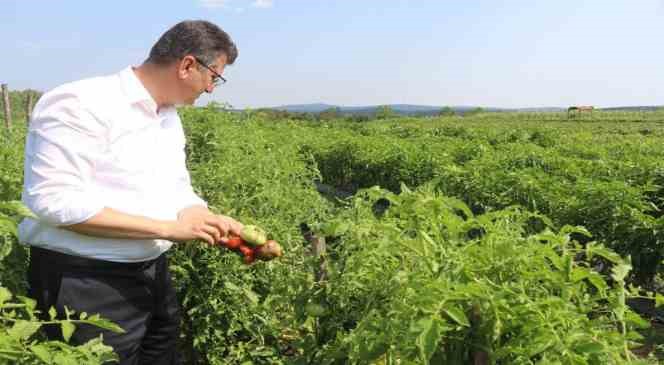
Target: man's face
{"points": [[198, 77]]}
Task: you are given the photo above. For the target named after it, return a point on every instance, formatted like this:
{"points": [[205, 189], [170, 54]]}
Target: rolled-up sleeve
{"points": [[63, 143], [187, 196]]}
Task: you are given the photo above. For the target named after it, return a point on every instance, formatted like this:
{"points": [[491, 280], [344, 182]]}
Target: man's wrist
{"points": [[189, 207], [164, 229]]}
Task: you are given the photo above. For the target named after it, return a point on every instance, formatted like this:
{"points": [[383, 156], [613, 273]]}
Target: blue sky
{"points": [[511, 53]]}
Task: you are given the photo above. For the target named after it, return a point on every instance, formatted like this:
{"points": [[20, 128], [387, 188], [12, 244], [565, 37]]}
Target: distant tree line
{"points": [[381, 112]]}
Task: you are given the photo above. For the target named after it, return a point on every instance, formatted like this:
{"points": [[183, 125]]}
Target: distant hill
{"points": [[540, 109], [305, 108], [410, 109], [635, 108], [403, 109]]}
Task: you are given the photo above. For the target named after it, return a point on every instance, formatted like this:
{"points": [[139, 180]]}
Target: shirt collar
{"points": [[134, 89], [137, 93]]}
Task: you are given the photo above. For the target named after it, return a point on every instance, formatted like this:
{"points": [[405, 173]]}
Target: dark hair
{"points": [[198, 38]]}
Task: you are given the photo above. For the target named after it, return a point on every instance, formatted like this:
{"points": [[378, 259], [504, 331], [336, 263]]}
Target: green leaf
{"points": [[636, 320], [635, 336], [567, 229], [16, 208], [105, 352], [553, 257], [23, 329], [620, 271], [231, 286], [546, 220], [52, 313], [5, 294], [253, 298], [598, 282], [30, 303], [106, 324], [335, 229], [540, 345], [457, 315], [65, 359], [579, 274], [427, 341], [405, 189], [589, 347], [659, 300], [594, 249], [7, 225], [68, 329], [460, 205], [5, 245], [41, 352]]}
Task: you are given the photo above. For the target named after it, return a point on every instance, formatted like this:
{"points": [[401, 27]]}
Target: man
{"points": [[105, 174]]}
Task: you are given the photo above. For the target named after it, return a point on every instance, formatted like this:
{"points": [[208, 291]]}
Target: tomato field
{"points": [[497, 238]]}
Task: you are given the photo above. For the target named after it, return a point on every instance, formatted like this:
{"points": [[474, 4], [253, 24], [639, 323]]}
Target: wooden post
{"points": [[8, 110], [28, 106], [317, 249], [480, 357]]}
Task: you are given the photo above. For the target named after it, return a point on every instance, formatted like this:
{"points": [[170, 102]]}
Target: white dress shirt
{"points": [[98, 143]]}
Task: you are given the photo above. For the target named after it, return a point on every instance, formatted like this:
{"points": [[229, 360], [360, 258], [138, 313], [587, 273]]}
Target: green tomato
{"points": [[253, 235]]}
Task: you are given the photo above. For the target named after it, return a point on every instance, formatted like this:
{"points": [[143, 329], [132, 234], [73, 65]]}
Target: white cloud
{"points": [[262, 4], [225, 4], [214, 4]]}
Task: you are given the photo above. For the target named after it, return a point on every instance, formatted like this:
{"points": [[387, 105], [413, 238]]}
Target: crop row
{"points": [[410, 275], [608, 180]]}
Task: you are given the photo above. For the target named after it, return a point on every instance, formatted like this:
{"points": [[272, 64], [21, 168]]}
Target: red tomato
{"points": [[247, 253], [248, 259], [234, 242], [246, 250]]}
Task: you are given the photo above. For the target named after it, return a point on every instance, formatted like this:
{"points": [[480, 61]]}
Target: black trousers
{"points": [[139, 297]]}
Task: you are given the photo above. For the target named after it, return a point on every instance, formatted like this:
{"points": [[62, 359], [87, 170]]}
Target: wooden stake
{"points": [[28, 106], [317, 249], [8, 110], [480, 357]]}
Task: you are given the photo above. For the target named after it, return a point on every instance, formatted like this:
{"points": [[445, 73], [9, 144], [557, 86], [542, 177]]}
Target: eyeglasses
{"points": [[216, 79]]}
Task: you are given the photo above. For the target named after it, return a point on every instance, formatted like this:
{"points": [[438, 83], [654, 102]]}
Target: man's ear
{"points": [[185, 66]]}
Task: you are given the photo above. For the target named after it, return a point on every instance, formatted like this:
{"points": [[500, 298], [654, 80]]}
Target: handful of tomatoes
{"points": [[253, 244]]}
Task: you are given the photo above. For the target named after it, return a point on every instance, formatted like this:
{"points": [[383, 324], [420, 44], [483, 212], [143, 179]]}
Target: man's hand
{"points": [[197, 222]]}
